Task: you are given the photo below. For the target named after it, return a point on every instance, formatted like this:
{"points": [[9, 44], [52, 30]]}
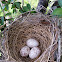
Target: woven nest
{"points": [[33, 26]]}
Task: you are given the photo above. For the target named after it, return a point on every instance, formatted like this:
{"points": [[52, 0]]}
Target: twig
{"points": [[22, 3], [2, 26], [59, 46]]}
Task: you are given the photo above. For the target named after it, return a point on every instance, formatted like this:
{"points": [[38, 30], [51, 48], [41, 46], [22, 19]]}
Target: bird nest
{"points": [[37, 26]]}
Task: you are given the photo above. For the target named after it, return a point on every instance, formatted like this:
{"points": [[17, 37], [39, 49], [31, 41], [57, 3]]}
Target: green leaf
{"points": [[29, 6], [6, 7], [14, 10], [33, 12], [7, 14], [57, 12], [0, 5], [9, 1], [21, 11], [3, 2], [17, 5], [25, 8], [2, 20], [18, 2], [13, 6], [60, 2]]}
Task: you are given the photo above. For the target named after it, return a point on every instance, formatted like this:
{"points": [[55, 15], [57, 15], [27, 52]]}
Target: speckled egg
{"points": [[25, 51], [34, 52], [32, 43]]}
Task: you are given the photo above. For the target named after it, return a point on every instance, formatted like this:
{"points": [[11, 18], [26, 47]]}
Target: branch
{"points": [[2, 26]]}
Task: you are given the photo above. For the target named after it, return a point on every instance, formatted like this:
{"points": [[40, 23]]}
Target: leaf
{"points": [[0, 5], [13, 6], [10, 1], [25, 8], [14, 10], [33, 12], [7, 14], [3, 2], [29, 6], [6, 7], [21, 11], [60, 2], [57, 12], [2, 20], [18, 2], [17, 5]]}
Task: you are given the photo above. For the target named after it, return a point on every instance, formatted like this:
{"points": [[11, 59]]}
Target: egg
{"points": [[32, 43], [34, 52], [25, 51]]}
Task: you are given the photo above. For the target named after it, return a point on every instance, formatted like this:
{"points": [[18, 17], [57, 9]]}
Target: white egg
{"points": [[25, 51], [32, 43], [34, 52]]}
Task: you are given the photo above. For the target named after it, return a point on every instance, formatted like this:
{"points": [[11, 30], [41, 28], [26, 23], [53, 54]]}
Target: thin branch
{"points": [[22, 3]]}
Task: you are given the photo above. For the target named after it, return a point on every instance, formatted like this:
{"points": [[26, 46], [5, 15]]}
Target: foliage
{"points": [[58, 11], [25, 8], [12, 7], [60, 2]]}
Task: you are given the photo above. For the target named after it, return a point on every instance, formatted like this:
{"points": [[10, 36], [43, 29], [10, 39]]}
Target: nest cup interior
{"points": [[19, 32]]}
